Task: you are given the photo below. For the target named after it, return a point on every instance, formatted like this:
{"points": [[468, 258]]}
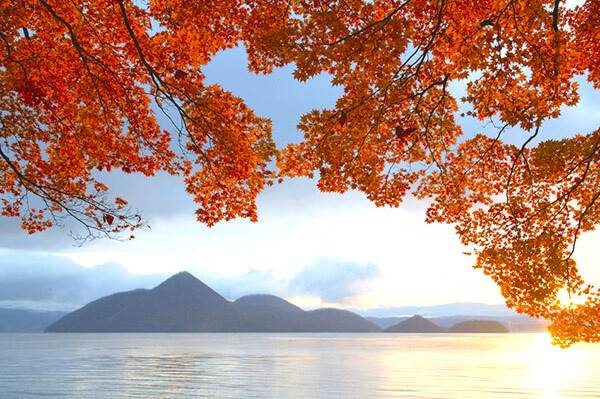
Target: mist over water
{"points": [[295, 366]]}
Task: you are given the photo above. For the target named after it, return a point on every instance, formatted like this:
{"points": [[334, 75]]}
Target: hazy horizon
{"points": [[68, 286]]}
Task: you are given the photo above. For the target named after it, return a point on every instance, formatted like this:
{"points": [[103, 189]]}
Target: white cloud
{"points": [[418, 263]]}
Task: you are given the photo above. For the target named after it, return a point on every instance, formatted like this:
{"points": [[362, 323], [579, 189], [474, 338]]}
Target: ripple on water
{"points": [[86, 366]]}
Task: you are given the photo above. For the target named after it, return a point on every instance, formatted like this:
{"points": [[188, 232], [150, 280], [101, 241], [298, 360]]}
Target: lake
{"points": [[295, 366]]}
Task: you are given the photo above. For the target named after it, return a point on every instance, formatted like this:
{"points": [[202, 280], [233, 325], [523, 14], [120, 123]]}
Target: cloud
{"points": [[333, 280], [54, 282], [330, 280], [13, 236], [251, 282], [44, 281]]}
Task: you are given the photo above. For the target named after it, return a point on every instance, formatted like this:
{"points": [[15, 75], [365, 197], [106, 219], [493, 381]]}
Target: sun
{"points": [[568, 301]]}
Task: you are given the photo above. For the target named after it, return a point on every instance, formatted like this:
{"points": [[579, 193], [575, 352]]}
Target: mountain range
{"points": [[183, 303]]}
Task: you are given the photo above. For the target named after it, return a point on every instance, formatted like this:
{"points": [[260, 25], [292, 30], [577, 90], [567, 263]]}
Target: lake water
{"points": [[295, 366]]}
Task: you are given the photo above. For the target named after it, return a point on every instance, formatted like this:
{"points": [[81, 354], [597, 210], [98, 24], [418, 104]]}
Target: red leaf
{"points": [[30, 94], [402, 133], [109, 218], [179, 74]]}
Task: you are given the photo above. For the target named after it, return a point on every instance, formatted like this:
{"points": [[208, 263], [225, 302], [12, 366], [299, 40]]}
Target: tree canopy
{"points": [[82, 83]]}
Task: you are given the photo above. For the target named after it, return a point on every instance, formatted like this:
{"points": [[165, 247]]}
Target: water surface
{"points": [[295, 366]]}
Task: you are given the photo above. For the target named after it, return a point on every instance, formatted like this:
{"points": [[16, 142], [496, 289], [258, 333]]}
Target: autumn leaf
{"points": [[109, 219], [403, 133], [179, 74]]}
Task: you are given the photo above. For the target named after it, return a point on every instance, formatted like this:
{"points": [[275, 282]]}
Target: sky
{"points": [[315, 249]]}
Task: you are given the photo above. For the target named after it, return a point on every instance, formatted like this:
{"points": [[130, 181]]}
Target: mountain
{"points": [[27, 320], [478, 326], [416, 324], [269, 313], [182, 303], [266, 302]]}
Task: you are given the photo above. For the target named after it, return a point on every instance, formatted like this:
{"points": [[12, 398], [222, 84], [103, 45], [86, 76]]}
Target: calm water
{"points": [[294, 366]]}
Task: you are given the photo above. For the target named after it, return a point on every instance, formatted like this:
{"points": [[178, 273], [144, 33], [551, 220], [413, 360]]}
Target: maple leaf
{"points": [[179, 74], [109, 219], [403, 133]]}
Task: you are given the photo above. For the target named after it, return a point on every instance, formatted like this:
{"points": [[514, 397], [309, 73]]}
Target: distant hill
{"points": [[518, 323], [478, 326], [27, 320], [183, 303], [416, 324], [269, 313], [449, 309]]}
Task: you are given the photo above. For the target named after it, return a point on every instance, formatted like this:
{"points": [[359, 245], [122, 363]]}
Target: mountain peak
{"points": [[181, 303], [187, 287], [178, 279], [184, 275]]}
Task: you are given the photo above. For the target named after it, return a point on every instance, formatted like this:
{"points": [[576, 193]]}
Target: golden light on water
{"points": [[495, 366], [553, 369]]}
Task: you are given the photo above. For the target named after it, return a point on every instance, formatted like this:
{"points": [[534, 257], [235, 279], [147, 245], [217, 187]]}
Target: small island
{"points": [[416, 324], [419, 324]]}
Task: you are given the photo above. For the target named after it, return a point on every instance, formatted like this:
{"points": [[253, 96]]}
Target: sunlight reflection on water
{"points": [[295, 366]]}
